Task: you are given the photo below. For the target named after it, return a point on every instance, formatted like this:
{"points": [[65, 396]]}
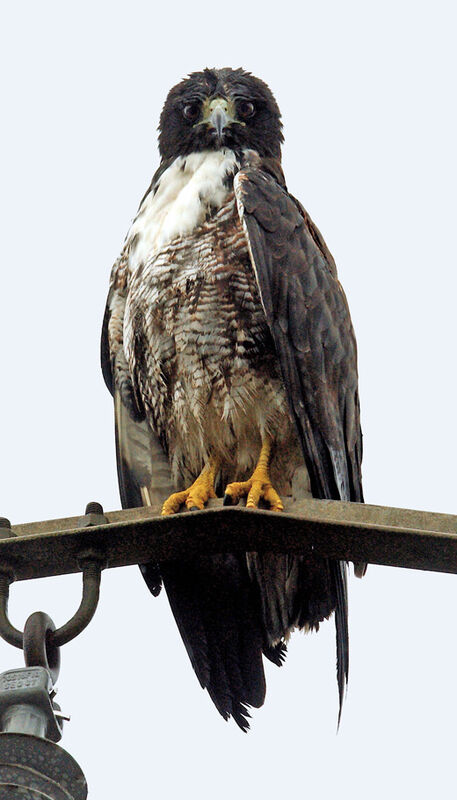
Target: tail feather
{"points": [[214, 607], [277, 654], [339, 573], [276, 577]]}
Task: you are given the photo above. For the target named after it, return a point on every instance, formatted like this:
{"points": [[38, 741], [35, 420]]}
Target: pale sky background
{"points": [[367, 91]]}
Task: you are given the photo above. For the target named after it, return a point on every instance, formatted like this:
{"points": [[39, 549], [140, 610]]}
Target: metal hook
{"points": [[7, 631], [91, 564]]}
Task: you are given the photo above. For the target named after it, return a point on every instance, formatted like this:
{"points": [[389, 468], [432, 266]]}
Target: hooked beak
{"points": [[218, 115], [218, 121]]}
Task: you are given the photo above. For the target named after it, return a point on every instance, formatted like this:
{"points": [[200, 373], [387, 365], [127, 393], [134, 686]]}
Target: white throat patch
{"points": [[186, 190]]}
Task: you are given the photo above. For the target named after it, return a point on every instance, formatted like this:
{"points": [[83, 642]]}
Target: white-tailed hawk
{"points": [[229, 350]]}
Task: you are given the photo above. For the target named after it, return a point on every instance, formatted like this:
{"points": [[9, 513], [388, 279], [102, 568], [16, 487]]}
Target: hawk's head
{"points": [[220, 108]]}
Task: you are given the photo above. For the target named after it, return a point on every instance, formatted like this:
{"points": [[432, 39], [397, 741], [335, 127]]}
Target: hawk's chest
{"points": [[195, 334], [191, 189], [192, 288]]}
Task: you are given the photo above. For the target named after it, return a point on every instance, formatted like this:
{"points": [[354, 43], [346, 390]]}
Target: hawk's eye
{"points": [[246, 109], [191, 111]]}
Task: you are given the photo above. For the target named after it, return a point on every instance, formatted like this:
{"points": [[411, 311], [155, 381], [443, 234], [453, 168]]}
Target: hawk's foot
{"points": [[196, 496], [257, 486]]}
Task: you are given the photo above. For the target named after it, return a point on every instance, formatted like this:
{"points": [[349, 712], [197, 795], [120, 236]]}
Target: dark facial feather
{"points": [[261, 132]]}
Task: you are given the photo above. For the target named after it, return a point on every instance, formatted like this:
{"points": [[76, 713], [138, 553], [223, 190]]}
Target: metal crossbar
{"points": [[351, 531]]}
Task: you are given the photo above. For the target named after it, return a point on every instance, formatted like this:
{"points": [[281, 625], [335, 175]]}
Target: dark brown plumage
{"points": [[227, 334]]}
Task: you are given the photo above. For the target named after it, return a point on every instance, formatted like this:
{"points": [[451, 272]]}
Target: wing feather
{"points": [[309, 319]]}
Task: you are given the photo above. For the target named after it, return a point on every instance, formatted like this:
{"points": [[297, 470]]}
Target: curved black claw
{"points": [[195, 508], [228, 500]]}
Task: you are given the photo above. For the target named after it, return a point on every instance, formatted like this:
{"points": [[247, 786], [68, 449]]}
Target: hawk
{"points": [[228, 348]]}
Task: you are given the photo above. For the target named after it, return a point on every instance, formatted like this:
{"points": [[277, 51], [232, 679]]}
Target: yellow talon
{"points": [[257, 486], [197, 495]]}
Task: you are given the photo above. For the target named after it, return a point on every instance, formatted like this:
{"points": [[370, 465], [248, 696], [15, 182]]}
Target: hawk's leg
{"points": [[197, 495], [257, 486]]}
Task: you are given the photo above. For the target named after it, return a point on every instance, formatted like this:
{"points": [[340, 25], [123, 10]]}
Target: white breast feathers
{"points": [[185, 192]]}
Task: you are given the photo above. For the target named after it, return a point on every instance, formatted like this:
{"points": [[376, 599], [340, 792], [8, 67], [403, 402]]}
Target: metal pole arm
{"points": [[350, 531]]}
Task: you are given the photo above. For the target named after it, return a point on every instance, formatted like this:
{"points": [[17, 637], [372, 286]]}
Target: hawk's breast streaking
{"points": [[229, 349]]}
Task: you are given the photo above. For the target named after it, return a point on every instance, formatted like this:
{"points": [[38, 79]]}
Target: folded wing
{"points": [[309, 319]]}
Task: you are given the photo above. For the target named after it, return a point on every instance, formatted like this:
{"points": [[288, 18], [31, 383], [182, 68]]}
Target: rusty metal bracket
{"points": [[90, 561], [91, 567]]}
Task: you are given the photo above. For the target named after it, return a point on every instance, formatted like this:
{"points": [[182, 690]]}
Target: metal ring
{"points": [[39, 649]]}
